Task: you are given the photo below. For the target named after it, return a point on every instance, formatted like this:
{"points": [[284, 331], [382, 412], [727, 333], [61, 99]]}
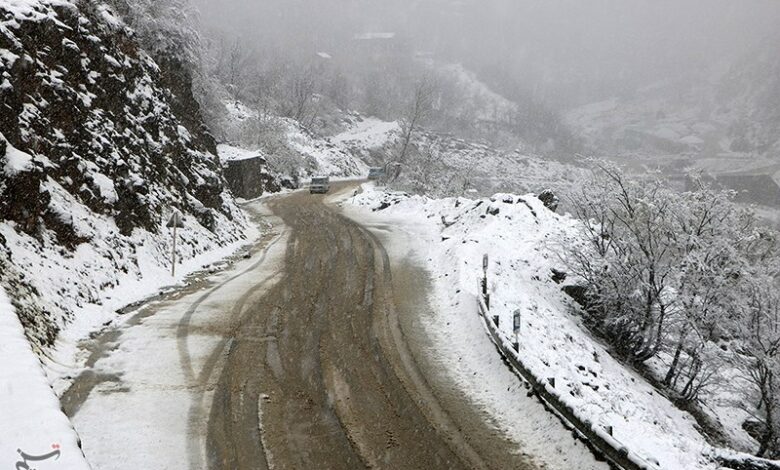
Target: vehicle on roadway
{"points": [[319, 184], [376, 173]]}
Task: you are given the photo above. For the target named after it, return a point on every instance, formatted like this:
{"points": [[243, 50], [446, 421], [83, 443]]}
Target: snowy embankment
{"points": [[125, 280], [290, 148], [83, 287], [89, 176], [367, 133], [35, 433], [519, 234]]}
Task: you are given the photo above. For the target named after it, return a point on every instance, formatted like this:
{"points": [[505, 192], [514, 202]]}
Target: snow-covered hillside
{"points": [[725, 121], [364, 135], [476, 99], [523, 241], [292, 151], [444, 165], [93, 160]]}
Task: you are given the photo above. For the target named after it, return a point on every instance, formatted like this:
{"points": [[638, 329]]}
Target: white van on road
{"points": [[319, 184]]}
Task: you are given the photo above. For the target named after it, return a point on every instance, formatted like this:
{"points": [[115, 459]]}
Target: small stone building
{"points": [[248, 178]]}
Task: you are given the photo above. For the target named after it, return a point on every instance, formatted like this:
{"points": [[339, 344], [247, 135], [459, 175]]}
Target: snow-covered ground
{"points": [[367, 133], [99, 278], [33, 425], [521, 238], [161, 370], [332, 159]]}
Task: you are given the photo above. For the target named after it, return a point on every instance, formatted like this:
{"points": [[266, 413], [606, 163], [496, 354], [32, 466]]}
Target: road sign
{"points": [[176, 220], [516, 322]]}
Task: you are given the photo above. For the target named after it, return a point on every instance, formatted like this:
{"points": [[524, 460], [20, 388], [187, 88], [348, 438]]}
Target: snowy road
{"points": [[297, 358], [319, 371]]}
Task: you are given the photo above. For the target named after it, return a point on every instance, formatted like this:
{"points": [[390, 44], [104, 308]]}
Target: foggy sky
{"points": [[572, 51]]}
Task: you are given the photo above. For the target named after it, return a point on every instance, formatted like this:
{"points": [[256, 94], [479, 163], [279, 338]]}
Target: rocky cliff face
{"points": [[97, 144]]}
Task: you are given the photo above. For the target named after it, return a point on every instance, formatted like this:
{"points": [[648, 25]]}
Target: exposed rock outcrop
{"points": [[97, 143]]}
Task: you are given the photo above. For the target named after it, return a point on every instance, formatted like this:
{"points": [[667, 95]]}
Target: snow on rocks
{"points": [[522, 239], [230, 153], [93, 157], [16, 161], [34, 431]]}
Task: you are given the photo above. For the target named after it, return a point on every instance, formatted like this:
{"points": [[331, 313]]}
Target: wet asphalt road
{"points": [[316, 371], [318, 360]]}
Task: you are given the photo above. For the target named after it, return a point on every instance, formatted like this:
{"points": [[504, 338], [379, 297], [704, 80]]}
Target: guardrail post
{"points": [[484, 273], [610, 448]]}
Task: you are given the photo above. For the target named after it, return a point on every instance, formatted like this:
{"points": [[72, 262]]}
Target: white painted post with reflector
{"points": [[485, 280], [176, 221], [516, 329]]}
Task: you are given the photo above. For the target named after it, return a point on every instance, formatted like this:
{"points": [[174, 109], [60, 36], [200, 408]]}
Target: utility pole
{"points": [[176, 221]]}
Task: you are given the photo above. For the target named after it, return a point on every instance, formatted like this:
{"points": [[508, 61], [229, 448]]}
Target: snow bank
{"points": [[521, 237], [32, 423], [93, 284]]}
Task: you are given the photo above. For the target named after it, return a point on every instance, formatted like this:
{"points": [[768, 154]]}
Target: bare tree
{"points": [[758, 328], [629, 269], [418, 110], [300, 97]]}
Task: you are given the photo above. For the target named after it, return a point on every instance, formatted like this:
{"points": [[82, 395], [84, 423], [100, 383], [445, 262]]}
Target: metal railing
{"points": [[598, 437]]}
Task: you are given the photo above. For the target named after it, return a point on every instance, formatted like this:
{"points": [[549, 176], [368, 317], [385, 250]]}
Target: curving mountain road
{"points": [[301, 359], [318, 374]]}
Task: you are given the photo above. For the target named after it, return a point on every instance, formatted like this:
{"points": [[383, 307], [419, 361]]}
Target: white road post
{"points": [[516, 327], [173, 255], [485, 293], [175, 222]]}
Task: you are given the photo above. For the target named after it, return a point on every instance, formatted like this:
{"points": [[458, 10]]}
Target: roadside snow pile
{"points": [[520, 236], [35, 431]]}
